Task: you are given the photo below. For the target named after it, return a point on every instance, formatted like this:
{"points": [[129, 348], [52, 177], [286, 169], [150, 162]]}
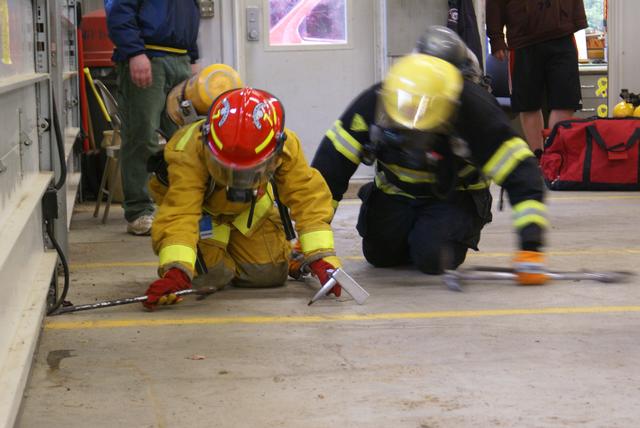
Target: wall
{"points": [[212, 45], [624, 55], [407, 19], [91, 5], [37, 58]]}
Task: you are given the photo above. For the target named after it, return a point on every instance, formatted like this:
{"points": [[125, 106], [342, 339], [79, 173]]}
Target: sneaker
{"points": [[140, 226]]}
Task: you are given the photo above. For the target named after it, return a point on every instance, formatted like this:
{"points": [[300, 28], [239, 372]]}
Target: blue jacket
{"points": [[166, 23]]}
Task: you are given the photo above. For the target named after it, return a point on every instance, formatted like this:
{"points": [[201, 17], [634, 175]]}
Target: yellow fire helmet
{"points": [[636, 112], [192, 98], [421, 92]]}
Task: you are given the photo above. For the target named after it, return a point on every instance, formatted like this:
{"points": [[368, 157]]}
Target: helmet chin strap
{"points": [[252, 209], [240, 195], [244, 195]]}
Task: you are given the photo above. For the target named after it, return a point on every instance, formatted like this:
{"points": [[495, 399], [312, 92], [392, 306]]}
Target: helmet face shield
{"points": [[421, 92], [417, 111], [387, 132], [238, 177]]}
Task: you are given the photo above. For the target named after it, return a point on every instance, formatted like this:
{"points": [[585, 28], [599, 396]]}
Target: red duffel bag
{"points": [[593, 154]]}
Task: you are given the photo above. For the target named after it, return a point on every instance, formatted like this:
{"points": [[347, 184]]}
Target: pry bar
{"points": [[128, 300]]}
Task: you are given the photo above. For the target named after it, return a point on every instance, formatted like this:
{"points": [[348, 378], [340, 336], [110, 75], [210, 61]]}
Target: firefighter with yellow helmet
{"points": [[436, 141], [217, 216]]}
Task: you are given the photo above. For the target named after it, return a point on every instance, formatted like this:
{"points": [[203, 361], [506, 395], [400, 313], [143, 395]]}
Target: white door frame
{"points": [[621, 54], [230, 51]]}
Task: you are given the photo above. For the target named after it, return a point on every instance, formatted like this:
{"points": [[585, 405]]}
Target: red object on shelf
{"points": [[98, 48]]}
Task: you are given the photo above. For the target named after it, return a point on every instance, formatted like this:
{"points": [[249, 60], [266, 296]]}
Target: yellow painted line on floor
{"points": [[308, 319], [567, 253], [551, 198], [562, 253], [86, 266], [591, 198]]}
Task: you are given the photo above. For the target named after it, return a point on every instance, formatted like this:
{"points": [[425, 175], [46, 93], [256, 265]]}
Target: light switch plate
{"points": [[207, 9], [253, 23]]}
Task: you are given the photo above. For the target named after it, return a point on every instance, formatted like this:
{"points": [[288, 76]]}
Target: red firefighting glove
{"points": [[530, 268], [323, 269], [160, 292]]}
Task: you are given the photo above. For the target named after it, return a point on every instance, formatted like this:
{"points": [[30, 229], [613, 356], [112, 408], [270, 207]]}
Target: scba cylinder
{"points": [[193, 97]]}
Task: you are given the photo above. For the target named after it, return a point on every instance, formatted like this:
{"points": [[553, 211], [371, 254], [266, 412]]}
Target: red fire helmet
{"points": [[244, 134]]}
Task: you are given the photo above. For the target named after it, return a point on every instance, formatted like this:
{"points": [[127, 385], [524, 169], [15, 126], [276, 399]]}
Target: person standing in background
{"points": [[462, 20], [155, 49], [544, 58]]}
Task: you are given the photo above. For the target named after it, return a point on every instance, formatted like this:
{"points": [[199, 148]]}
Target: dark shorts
{"points": [[546, 69]]}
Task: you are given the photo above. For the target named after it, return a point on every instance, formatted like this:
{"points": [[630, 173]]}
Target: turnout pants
{"points": [[260, 259], [432, 234]]}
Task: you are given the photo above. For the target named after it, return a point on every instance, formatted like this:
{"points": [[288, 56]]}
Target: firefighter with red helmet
{"points": [[217, 216]]}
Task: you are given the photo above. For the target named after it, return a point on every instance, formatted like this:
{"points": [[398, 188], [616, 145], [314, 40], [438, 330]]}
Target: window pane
{"points": [[596, 33], [307, 22], [595, 10]]}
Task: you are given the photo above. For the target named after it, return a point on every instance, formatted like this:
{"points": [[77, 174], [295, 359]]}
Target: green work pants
{"points": [[142, 111]]}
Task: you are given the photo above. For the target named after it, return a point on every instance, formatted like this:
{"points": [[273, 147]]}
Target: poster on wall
{"points": [[16, 45]]}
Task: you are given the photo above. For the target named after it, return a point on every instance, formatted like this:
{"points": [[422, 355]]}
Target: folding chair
{"points": [[112, 164]]}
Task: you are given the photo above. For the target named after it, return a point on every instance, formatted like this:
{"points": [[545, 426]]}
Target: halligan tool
{"points": [[347, 283], [201, 292], [453, 279]]}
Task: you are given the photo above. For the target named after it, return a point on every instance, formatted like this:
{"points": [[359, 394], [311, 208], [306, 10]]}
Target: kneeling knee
{"points": [[261, 276], [435, 260], [428, 261], [380, 259], [380, 262], [430, 267]]}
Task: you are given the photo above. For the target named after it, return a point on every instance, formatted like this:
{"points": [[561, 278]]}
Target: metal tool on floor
{"points": [[453, 279], [347, 283], [201, 292]]}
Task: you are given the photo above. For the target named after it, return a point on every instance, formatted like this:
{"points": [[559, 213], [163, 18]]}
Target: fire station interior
{"points": [[410, 352]]}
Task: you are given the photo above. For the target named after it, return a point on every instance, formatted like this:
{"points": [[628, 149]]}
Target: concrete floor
{"points": [[414, 355]]}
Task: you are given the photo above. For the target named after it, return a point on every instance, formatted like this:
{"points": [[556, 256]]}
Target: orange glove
{"points": [[160, 292], [296, 261], [530, 268], [323, 270]]}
